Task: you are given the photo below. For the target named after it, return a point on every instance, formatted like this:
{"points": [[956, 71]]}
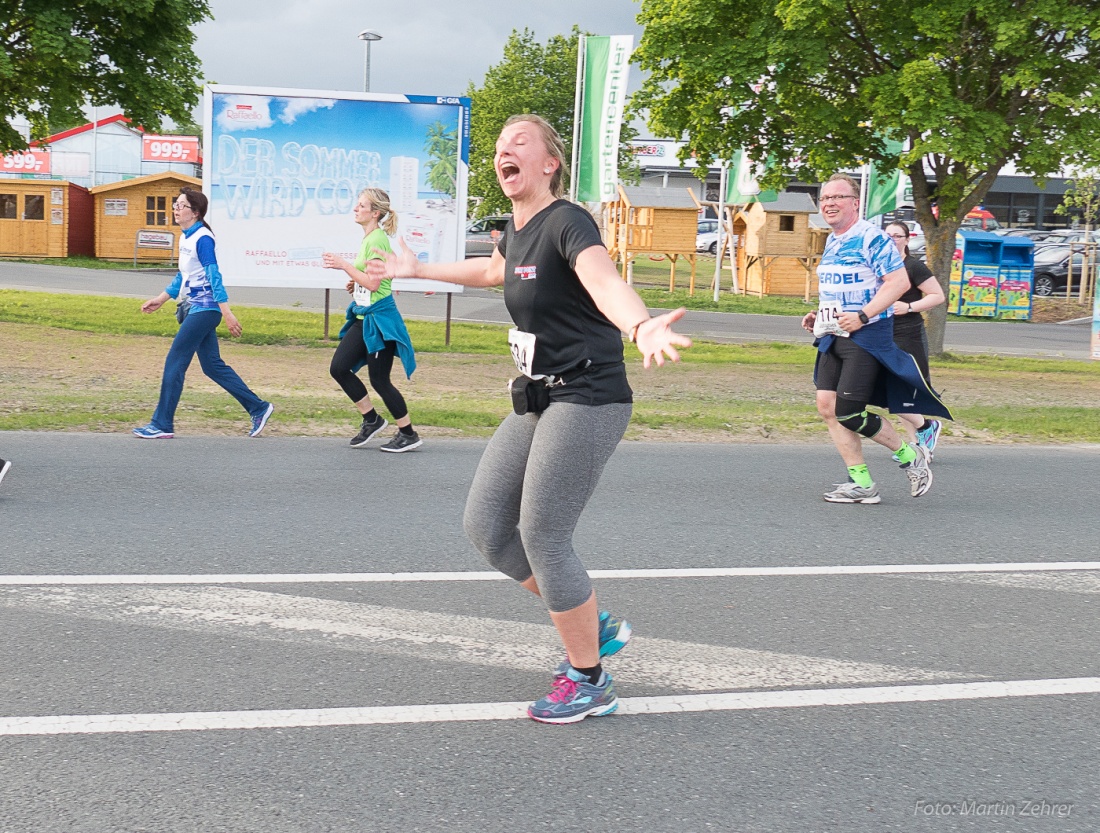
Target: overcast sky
{"points": [[428, 47]]}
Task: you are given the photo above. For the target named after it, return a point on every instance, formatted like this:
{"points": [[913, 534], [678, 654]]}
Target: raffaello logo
{"points": [[244, 112]]}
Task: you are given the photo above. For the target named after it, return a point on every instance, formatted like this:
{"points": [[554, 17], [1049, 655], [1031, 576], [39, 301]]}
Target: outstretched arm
{"points": [[625, 309], [474, 271]]}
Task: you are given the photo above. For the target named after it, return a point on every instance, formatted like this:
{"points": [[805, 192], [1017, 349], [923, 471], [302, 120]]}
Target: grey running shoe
{"points": [[852, 493], [368, 430], [930, 436], [402, 442], [919, 471]]}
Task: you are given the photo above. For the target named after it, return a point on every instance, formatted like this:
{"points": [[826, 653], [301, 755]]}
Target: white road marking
{"points": [[698, 572], [682, 704], [1062, 583], [437, 637]]}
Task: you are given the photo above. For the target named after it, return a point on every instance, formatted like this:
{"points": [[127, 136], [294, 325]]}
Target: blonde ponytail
{"points": [[380, 201]]}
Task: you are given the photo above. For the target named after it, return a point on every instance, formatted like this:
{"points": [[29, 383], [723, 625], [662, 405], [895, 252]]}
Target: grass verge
{"points": [[93, 363]]}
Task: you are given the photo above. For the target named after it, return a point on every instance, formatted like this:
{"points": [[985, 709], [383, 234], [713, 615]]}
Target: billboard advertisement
{"points": [[284, 168]]}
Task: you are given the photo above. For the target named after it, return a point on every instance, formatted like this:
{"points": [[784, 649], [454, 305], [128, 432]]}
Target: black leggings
{"points": [[350, 352]]}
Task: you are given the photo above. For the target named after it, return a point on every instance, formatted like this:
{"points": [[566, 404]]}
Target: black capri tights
{"points": [[351, 351]]}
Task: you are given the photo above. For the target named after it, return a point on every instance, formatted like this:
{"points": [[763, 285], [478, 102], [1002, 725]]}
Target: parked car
{"points": [[482, 235], [1070, 235], [1052, 269], [1035, 235], [706, 238]]}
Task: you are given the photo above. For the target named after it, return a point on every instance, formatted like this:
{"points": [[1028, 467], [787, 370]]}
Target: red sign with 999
{"points": [[26, 162], [170, 149]]}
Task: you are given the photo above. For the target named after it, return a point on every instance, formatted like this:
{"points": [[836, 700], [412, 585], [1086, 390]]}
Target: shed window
{"points": [[8, 207], [156, 211], [34, 207], [786, 222]]}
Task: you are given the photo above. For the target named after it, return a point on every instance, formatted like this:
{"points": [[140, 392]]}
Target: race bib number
{"points": [[523, 350], [826, 322]]}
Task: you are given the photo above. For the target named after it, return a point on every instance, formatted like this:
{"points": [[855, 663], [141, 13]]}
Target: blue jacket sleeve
{"points": [[209, 261], [214, 275], [173, 288]]}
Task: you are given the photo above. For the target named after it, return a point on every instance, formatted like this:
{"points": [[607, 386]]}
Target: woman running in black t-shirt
{"points": [[541, 466]]}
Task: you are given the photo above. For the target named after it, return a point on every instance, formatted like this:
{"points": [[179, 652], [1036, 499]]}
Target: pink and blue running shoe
{"points": [[573, 698]]}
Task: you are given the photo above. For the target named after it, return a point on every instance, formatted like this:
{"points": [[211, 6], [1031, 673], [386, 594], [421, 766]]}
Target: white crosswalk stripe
{"points": [[232, 611]]}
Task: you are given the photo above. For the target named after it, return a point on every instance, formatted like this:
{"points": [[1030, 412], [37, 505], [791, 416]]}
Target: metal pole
{"points": [[447, 338], [720, 242], [366, 68], [578, 94]]}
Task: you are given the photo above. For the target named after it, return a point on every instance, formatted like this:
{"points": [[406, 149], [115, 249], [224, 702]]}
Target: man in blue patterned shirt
{"points": [[860, 276]]}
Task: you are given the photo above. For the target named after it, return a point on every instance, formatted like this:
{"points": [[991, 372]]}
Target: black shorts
{"points": [[911, 337], [849, 370]]}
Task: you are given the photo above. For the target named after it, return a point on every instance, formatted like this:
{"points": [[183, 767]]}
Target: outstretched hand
{"points": [[656, 339], [399, 264]]}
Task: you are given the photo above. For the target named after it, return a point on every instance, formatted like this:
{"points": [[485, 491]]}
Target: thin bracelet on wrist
{"points": [[634, 331]]}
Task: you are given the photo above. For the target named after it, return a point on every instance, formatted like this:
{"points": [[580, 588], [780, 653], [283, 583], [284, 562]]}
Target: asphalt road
{"points": [[904, 692], [998, 338]]}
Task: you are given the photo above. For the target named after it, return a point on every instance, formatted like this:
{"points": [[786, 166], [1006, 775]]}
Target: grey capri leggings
{"points": [[532, 483]]}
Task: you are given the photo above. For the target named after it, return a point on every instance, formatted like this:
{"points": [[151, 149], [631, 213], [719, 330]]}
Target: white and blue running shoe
{"points": [[258, 422], [151, 432], [930, 436], [573, 698]]}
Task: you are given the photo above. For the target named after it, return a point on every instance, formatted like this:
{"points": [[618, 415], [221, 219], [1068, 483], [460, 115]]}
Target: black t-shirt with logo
{"points": [[545, 297], [918, 273]]}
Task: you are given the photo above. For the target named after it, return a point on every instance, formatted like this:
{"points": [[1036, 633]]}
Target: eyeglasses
{"points": [[838, 199], [182, 204]]}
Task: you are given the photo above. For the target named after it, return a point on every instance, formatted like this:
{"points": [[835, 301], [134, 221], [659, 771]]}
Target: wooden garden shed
{"points": [[139, 211], [779, 251], [653, 221], [45, 218]]}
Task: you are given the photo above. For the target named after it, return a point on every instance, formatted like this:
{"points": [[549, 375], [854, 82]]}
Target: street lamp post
{"points": [[367, 35]]}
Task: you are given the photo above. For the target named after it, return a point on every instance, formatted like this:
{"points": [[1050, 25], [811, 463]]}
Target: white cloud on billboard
{"points": [[299, 106], [250, 112]]}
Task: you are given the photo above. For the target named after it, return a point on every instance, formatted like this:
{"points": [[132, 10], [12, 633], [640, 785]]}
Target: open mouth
{"points": [[508, 171]]}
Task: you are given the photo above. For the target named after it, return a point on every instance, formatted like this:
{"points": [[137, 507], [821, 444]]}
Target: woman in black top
{"points": [[539, 470], [924, 292]]}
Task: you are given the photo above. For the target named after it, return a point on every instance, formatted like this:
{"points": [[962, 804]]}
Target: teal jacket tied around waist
{"points": [[382, 322]]}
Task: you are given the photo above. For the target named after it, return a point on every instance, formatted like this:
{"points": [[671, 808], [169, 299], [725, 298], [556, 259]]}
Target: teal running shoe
{"points": [[573, 698], [614, 634], [930, 436]]}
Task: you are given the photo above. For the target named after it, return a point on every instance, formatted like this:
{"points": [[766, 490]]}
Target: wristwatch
{"points": [[863, 317]]}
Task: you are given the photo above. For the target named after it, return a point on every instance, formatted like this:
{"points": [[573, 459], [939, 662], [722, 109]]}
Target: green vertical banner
{"points": [[606, 67], [741, 185], [887, 188]]}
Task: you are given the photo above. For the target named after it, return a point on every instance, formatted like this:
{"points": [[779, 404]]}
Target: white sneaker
{"points": [[919, 471], [852, 493]]}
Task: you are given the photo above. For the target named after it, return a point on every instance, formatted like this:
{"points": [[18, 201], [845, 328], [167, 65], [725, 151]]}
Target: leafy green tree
{"points": [[530, 78], [1083, 198], [819, 85], [442, 149], [59, 54]]}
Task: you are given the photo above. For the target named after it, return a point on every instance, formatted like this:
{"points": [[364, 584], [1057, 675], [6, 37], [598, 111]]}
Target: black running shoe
{"points": [[403, 442], [369, 430]]}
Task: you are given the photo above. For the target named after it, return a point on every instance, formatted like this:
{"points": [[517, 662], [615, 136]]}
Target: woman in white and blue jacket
{"points": [[199, 284]]}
